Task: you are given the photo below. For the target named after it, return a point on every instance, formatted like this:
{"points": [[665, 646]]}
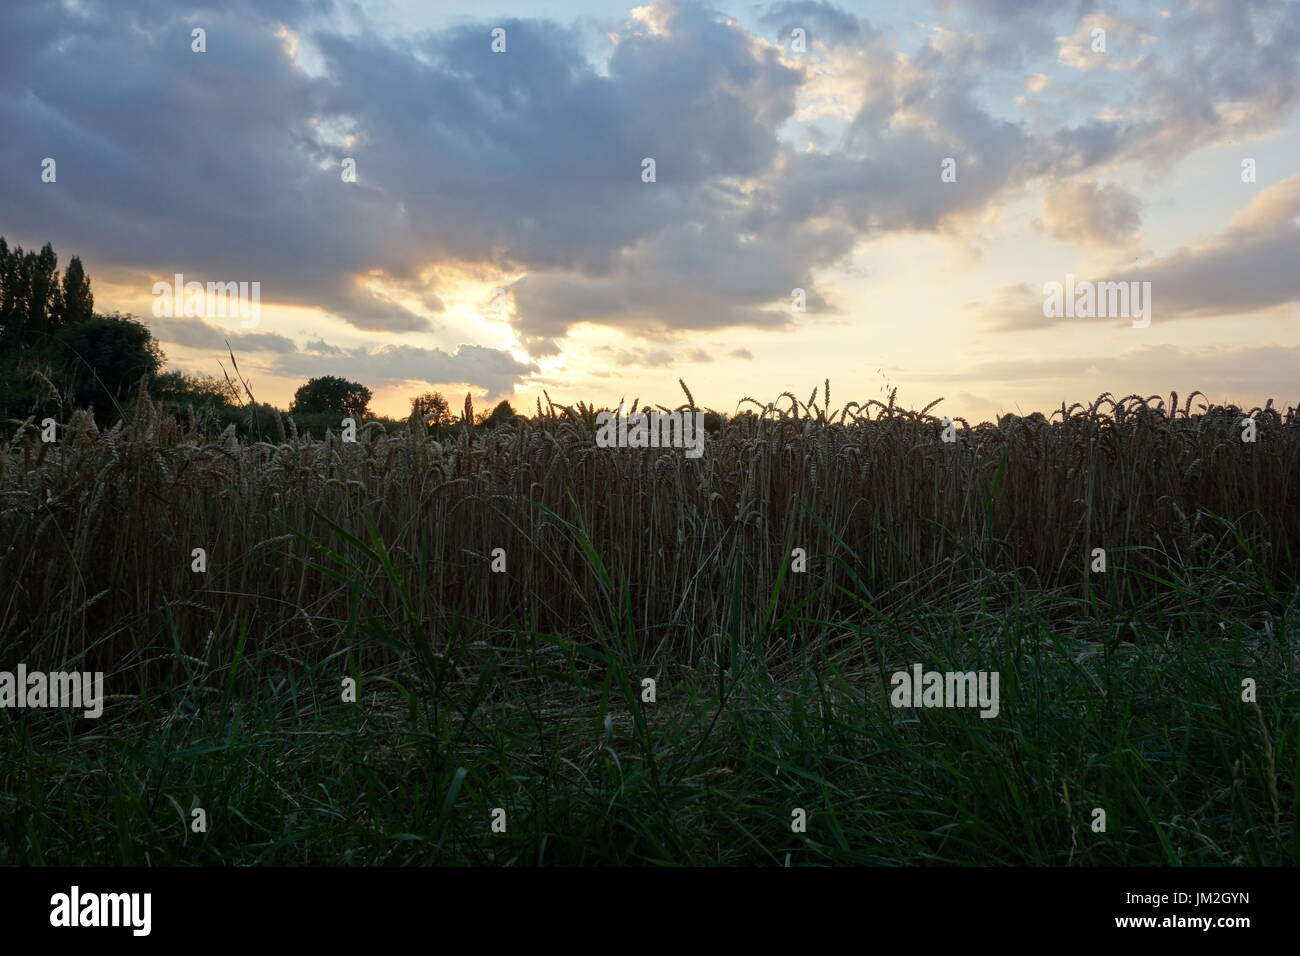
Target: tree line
{"points": [[57, 355]]}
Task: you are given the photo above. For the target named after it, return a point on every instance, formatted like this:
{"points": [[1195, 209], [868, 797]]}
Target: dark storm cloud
{"points": [[178, 161]]}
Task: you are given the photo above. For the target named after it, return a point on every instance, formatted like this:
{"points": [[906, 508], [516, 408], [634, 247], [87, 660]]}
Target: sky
{"points": [[878, 194]]}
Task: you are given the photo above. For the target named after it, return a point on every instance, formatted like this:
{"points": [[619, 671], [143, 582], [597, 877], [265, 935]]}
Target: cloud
{"points": [[195, 333], [494, 370], [1094, 216], [822, 22], [638, 357], [201, 163], [1099, 42], [1248, 267], [953, 50], [1209, 74], [526, 162], [226, 165], [321, 347]]}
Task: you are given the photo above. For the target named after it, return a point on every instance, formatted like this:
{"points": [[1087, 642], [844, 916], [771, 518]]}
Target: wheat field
{"points": [[100, 527]]}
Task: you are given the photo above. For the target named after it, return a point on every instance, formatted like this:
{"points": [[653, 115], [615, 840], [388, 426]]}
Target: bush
{"points": [[99, 362]]}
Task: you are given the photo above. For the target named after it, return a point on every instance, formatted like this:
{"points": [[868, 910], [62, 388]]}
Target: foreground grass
{"points": [[1146, 723]]}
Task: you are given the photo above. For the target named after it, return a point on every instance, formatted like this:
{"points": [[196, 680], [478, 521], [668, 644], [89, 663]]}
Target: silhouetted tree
{"points": [[45, 307], [48, 326], [34, 304], [15, 280], [78, 302], [433, 408], [333, 395], [500, 415], [8, 290]]}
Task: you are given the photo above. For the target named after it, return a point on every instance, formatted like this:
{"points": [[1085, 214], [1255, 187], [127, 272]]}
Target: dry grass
{"points": [[97, 529]]}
